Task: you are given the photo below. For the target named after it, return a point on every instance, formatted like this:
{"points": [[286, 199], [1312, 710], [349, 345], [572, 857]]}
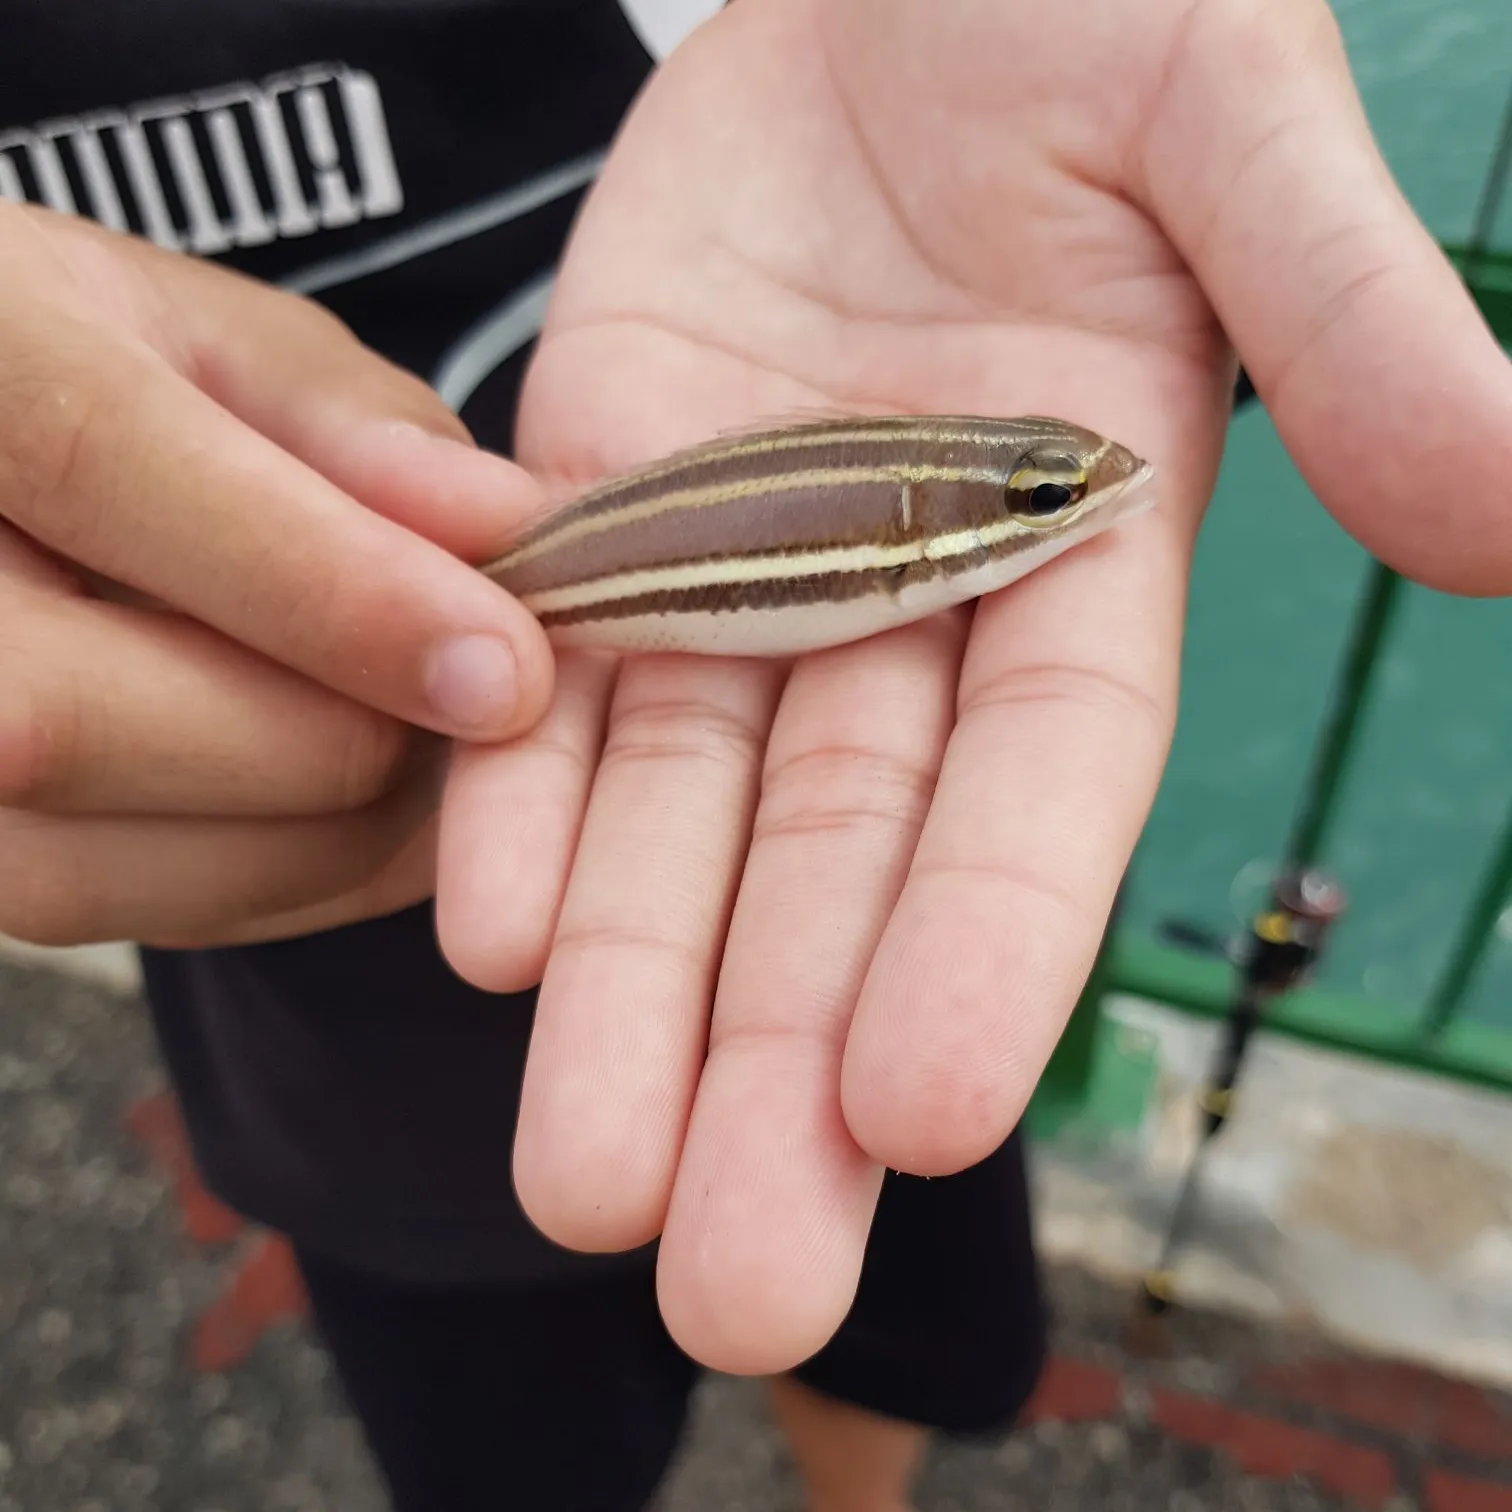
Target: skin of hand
{"points": [[233, 622], [800, 923]]}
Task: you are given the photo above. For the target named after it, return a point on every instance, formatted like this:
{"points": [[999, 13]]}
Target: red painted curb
{"points": [[1456, 1493], [1273, 1450], [264, 1291], [1071, 1391], [1398, 1398]]}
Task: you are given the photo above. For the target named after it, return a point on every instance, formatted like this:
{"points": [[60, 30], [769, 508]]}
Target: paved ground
{"points": [[1375, 1201], [103, 1301]]}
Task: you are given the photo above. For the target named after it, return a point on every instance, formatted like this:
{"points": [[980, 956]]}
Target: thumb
{"points": [[1389, 391]]}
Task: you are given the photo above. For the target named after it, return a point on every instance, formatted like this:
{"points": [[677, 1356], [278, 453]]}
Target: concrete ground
{"points": [[1256, 1406], [1374, 1203]]}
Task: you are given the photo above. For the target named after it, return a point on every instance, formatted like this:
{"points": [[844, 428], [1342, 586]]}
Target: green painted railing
{"points": [[1097, 1079]]}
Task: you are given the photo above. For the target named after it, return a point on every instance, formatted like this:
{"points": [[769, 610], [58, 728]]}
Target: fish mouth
{"points": [[1135, 494]]}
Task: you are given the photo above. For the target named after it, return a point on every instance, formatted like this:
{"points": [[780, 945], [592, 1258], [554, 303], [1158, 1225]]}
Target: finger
{"points": [[510, 820], [1067, 700], [116, 462], [105, 709], [183, 882], [623, 1011], [23, 565], [408, 877], [774, 1199], [295, 373], [123, 467], [1379, 372], [374, 430]]}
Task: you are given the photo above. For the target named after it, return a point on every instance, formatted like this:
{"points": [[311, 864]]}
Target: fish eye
{"points": [[1043, 487], [1048, 498]]}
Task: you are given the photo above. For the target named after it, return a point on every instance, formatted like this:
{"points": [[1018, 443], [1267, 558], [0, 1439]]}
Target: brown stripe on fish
{"points": [[893, 440], [768, 593], [635, 502], [950, 552], [727, 468], [801, 512]]}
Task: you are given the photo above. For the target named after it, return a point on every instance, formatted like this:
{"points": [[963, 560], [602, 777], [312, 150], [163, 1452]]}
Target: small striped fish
{"points": [[790, 540]]}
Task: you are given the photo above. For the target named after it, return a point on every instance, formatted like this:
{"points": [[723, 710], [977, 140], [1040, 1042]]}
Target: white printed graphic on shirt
{"points": [[236, 166], [662, 24]]}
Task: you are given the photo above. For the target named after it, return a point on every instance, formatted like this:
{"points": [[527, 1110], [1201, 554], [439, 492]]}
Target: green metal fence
{"points": [[1097, 1078]]}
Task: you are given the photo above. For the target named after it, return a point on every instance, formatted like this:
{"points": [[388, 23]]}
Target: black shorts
{"points": [[350, 1091], [570, 1393]]}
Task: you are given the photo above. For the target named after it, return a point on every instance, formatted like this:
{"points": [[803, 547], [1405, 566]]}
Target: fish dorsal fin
{"points": [[804, 417]]}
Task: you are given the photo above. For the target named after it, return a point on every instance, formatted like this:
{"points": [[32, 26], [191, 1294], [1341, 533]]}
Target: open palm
{"points": [[801, 922]]}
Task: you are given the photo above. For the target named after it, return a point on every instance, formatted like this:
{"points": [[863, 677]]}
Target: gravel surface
{"points": [[100, 1412]]}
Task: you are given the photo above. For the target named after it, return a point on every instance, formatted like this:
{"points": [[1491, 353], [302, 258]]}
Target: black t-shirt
{"points": [[414, 165]]}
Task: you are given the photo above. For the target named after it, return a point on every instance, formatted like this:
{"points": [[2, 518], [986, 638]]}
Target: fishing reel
{"points": [[1286, 940]]}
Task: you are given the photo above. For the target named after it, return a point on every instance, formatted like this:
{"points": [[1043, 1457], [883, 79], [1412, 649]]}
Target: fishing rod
{"points": [[1282, 949], [1285, 938]]}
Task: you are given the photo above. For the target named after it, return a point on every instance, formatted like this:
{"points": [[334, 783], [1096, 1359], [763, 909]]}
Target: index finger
{"points": [[112, 459]]}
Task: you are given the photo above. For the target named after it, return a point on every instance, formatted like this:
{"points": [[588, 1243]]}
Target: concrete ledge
{"points": [[1374, 1203]]}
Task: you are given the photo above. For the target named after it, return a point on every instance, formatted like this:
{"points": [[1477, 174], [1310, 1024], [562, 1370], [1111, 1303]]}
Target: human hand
{"points": [[228, 570], [796, 925]]}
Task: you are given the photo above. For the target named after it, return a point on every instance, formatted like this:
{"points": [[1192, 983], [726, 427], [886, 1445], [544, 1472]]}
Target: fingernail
{"points": [[472, 683]]}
